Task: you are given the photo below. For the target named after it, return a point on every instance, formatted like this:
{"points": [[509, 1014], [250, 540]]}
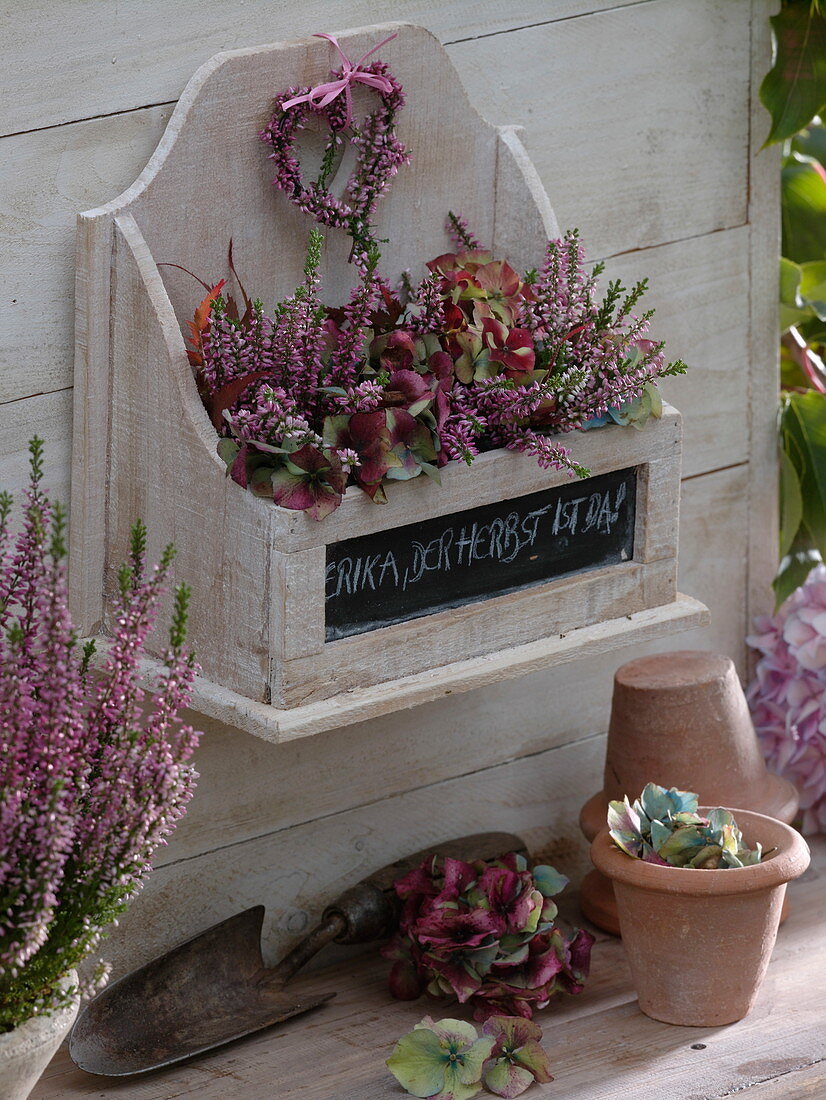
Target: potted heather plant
{"points": [[93, 776], [699, 896]]}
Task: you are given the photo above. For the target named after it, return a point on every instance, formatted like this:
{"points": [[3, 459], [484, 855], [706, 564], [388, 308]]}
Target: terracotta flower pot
{"points": [[26, 1051], [679, 719], [698, 941]]}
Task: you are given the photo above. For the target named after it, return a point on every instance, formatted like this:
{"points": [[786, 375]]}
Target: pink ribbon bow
{"points": [[323, 94]]}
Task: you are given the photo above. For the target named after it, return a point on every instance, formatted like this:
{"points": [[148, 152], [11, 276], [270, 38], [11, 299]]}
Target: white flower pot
{"points": [[26, 1051]]}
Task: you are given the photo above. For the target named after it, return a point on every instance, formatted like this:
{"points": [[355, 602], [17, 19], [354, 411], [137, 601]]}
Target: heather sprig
{"points": [[379, 155], [475, 358], [93, 775]]}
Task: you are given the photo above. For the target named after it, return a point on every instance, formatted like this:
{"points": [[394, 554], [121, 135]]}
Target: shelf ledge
{"points": [[360, 704]]}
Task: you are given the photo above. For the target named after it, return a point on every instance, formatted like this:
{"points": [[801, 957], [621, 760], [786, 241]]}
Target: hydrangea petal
{"points": [[511, 1031], [507, 1079], [533, 1056], [549, 881], [418, 1064], [458, 1032], [472, 1060]]}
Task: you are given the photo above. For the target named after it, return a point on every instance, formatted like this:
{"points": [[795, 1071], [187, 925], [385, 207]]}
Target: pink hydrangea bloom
{"points": [[788, 694]]}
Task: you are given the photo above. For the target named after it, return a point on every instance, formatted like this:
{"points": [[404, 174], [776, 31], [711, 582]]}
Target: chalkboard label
{"points": [[404, 573]]}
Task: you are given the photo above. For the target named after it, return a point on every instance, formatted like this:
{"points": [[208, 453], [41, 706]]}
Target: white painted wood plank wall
{"points": [[640, 116]]}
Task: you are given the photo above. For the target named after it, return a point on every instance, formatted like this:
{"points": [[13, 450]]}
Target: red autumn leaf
{"points": [[227, 395], [197, 326]]}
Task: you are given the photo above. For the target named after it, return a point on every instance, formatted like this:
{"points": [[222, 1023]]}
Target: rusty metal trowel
{"points": [[215, 988]]}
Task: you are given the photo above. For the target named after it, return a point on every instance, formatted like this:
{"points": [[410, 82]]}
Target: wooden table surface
{"points": [[602, 1047]]}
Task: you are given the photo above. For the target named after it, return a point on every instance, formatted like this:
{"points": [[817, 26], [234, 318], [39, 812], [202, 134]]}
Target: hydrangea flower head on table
{"points": [[485, 933]]}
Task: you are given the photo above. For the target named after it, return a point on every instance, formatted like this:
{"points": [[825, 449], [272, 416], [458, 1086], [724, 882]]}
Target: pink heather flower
{"points": [[788, 694], [379, 155], [93, 773]]}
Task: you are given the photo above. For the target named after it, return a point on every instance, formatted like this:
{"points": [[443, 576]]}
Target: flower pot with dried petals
{"points": [[699, 934]]}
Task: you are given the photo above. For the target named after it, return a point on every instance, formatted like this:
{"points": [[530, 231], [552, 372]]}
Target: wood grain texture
{"points": [[192, 504], [484, 627], [249, 787], [672, 82], [48, 415], [806, 1082], [118, 66], [610, 151], [700, 291], [764, 380], [297, 871], [357, 704], [699, 287], [601, 1046], [45, 178]]}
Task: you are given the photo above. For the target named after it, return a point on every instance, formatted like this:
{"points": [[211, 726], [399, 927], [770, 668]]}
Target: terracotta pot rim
{"points": [[790, 860]]}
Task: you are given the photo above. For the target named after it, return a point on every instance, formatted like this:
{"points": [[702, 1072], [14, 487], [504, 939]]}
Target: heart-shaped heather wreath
{"points": [[379, 153]]}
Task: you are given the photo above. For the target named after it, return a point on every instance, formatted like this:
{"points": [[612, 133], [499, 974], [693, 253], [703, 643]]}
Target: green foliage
{"points": [[180, 617], [664, 827], [802, 293], [794, 90], [803, 209], [802, 489]]}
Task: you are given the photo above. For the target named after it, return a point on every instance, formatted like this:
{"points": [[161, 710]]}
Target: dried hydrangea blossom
{"points": [[485, 934]]}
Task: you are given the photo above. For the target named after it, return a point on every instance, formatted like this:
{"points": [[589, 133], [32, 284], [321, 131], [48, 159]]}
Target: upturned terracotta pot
{"points": [[698, 941], [26, 1051], [679, 719]]}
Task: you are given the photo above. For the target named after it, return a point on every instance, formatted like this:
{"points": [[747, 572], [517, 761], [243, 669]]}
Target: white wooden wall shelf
{"points": [[144, 446]]}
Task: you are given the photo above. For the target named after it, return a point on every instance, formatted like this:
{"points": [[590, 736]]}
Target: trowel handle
{"points": [[370, 909], [367, 912]]}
